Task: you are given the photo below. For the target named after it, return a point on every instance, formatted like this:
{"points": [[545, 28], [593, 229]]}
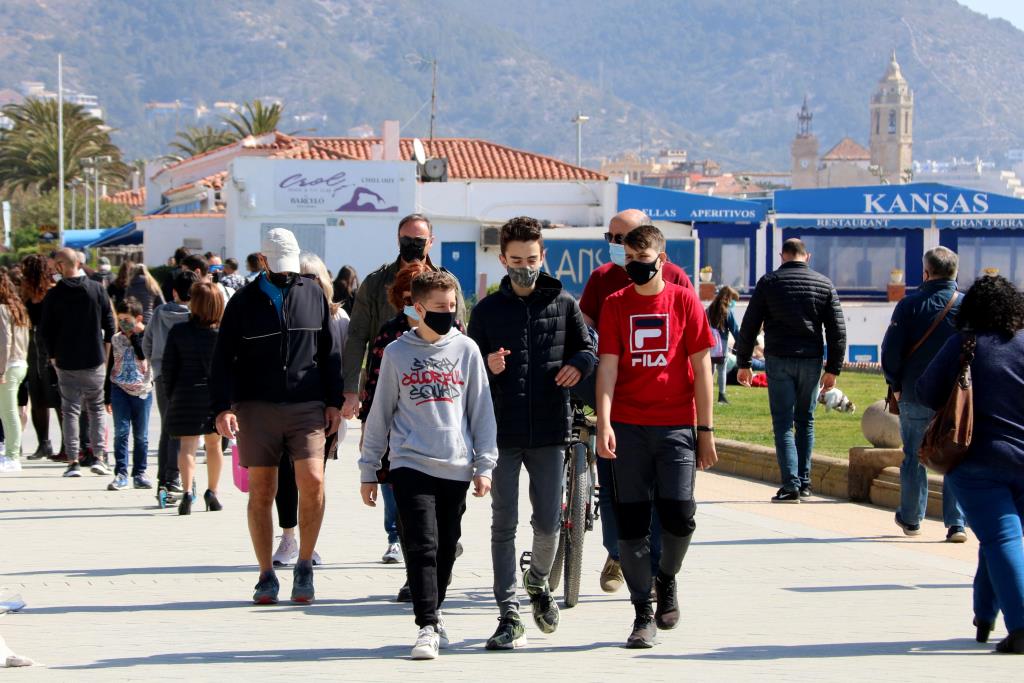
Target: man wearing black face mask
{"points": [[372, 308], [276, 383]]}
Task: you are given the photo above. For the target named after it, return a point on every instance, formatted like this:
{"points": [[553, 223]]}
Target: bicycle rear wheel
{"points": [[575, 529], [555, 577]]}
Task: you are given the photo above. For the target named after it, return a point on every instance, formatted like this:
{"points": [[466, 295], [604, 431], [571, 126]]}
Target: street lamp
{"points": [[418, 60], [86, 214], [74, 201], [579, 120]]}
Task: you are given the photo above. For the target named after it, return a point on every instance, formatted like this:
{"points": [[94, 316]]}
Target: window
{"points": [[309, 237], [729, 258], [854, 261], [892, 120], [996, 251]]}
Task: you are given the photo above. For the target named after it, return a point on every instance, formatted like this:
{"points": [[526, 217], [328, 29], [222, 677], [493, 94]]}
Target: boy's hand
{"points": [[139, 328], [496, 361], [707, 452], [332, 420], [110, 409], [606, 442], [481, 486], [568, 376], [745, 376], [369, 494]]}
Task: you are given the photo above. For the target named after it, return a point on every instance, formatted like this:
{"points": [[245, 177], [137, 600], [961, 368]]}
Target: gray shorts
{"points": [[654, 462]]}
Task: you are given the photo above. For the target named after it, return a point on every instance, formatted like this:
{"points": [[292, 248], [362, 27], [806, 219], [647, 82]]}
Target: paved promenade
{"points": [[119, 590]]}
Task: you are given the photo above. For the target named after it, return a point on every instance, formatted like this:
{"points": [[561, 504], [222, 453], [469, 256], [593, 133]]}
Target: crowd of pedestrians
{"points": [[270, 363]]}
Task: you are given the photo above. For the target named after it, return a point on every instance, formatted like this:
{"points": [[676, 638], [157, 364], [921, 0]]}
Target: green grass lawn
{"points": [[748, 419]]}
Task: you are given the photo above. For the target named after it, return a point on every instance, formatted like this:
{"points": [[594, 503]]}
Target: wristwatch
{"points": [[704, 428]]}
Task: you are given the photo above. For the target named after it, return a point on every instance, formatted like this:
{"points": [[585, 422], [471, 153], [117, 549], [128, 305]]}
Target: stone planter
{"points": [[880, 427]]}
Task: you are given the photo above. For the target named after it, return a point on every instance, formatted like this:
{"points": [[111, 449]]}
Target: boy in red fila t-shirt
{"points": [[654, 421]]}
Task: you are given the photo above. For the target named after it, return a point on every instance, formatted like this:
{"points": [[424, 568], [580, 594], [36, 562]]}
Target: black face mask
{"points": [[279, 279], [412, 248], [439, 322], [641, 273]]}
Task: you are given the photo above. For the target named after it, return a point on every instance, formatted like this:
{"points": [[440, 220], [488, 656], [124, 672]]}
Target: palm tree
{"points": [[254, 118], [29, 150], [194, 140]]}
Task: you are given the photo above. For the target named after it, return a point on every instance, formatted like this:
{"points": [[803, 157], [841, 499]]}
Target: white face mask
{"points": [[57, 277], [617, 254], [410, 312]]}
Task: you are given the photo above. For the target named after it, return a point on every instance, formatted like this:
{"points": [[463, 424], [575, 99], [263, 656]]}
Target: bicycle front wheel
{"points": [[576, 527]]}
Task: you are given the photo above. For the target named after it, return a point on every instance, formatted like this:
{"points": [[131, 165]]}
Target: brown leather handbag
{"points": [[948, 437], [891, 402]]}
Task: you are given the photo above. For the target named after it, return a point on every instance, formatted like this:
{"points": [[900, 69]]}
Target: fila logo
{"points": [[648, 339], [648, 332]]}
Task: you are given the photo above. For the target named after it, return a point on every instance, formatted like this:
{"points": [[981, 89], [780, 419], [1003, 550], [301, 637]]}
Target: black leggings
{"points": [[430, 510]]}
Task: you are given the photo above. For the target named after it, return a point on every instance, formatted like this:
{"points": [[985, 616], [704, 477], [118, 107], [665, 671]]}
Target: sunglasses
{"points": [[617, 239], [418, 241]]}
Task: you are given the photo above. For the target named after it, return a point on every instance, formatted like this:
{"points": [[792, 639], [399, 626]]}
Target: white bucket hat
{"points": [[281, 251]]}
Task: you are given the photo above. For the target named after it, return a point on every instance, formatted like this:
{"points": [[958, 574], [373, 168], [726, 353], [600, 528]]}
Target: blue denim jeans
{"points": [[914, 419], [993, 500], [793, 385], [986, 604], [390, 513], [131, 414], [609, 527]]}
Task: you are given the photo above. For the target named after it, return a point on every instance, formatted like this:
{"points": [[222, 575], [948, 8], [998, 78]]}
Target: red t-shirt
{"points": [[654, 337], [610, 278]]}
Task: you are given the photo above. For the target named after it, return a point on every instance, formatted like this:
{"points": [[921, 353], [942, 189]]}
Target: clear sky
{"points": [[1011, 10]]}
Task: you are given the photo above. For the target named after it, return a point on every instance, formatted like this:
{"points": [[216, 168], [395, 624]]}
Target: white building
{"points": [[344, 201]]}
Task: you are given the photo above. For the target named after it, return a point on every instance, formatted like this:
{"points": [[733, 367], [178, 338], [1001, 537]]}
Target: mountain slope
{"points": [[723, 80]]}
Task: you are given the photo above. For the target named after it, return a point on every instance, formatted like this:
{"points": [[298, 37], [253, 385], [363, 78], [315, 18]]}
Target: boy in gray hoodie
{"points": [[433, 410]]}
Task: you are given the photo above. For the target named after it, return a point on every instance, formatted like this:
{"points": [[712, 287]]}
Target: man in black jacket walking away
{"points": [[536, 344], [276, 383], [77, 326], [793, 304]]}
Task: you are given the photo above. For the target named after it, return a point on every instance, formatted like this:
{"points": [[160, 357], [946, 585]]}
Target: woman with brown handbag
{"points": [[989, 483]]}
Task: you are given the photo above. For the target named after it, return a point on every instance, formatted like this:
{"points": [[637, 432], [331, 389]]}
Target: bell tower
{"points": [[892, 132], [804, 151]]}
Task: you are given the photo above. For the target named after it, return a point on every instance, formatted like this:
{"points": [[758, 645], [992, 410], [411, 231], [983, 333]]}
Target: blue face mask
{"points": [[732, 305], [410, 312], [617, 253]]}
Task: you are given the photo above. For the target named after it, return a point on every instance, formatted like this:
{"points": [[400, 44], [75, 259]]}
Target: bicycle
{"points": [[579, 507]]}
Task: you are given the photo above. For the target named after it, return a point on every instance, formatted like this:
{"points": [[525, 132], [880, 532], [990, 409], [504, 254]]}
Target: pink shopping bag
{"points": [[239, 473]]}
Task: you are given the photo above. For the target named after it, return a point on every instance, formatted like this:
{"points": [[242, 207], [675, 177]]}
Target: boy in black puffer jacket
{"points": [[536, 344]]}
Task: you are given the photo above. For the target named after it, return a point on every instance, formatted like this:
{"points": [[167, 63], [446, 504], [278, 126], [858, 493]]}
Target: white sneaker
{"points": [[99, 467], [287, 552], [393, 555], [316, 559], [427, 643], [9, 464], [442, 632]]}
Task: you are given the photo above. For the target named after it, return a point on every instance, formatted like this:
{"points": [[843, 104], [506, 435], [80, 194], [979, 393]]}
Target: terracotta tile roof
{"points": [[130, 198], [214, 182], [847, 150], [468, 158], [280, 141]]}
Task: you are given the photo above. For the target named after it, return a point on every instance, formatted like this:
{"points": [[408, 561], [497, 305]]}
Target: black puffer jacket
{"points": [[187, 361], [260, 358], [794, 303], [544, 331]]}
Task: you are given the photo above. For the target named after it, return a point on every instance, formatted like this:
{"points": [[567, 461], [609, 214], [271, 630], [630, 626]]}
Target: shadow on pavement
{"points": [[779, 540], [952, 646], [872, 587]]}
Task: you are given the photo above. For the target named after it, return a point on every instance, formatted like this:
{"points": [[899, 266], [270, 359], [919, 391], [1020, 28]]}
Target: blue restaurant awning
{"points": [[915, 205], [127, 234], [83, 238], [687, 207]]}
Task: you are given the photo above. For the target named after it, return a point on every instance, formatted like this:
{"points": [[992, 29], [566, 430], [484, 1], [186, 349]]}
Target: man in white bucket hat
{"points": [[276, 387]]}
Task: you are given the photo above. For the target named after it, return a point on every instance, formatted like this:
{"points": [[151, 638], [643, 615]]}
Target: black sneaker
{"points": [[545, 611], [175, 486], [645, 631], [302, 585], [73, 470], [722, 400], [786, 496], [956, 534], [805, 491], [908, 529], [404, 593], [667, 614], [510, 634], [267, 589]]}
